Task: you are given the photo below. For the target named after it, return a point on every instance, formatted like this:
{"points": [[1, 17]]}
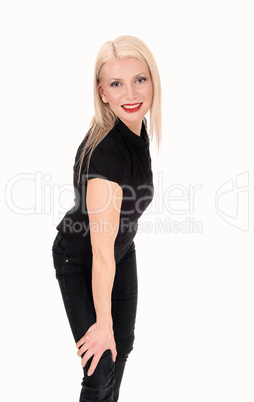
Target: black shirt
{"points": [[123, 157]]}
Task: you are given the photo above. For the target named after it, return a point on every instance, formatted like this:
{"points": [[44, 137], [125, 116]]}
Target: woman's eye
{"points": [[141, 79], [115, 84]]}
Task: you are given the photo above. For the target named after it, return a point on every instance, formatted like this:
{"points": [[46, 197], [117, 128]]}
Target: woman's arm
{"points": [[104, 199]]}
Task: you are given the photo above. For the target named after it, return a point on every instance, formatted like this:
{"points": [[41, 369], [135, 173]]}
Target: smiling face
{"points": [[126, 85]]}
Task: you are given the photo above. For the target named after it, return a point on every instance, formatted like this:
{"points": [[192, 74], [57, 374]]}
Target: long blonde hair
{"points": [[104, 119]]}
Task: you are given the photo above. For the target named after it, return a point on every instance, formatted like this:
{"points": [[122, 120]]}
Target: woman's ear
{"points": [[102, 94]]}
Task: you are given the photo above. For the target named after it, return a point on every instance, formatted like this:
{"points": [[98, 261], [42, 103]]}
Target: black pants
{"points": [[75, 284]]}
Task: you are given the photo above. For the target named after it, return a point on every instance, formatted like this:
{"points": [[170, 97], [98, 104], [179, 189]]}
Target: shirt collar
{"points": [[142, 140]]}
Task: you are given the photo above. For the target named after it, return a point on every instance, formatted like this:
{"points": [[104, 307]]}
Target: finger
{"points": [[81, 342], [83, 349], [86, 357], [93, 365]]}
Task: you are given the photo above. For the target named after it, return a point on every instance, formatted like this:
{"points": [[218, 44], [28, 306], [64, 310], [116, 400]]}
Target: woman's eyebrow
{"points": [[119, 79]]}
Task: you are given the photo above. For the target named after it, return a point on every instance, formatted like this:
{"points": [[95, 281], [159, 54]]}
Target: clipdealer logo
{"points": [[232, 201], [36, 194]]}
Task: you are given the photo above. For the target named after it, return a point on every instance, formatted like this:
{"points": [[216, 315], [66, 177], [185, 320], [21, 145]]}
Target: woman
{"points": [[94, 252]]}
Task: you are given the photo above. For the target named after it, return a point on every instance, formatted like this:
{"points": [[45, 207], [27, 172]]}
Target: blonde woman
{"points": [[94, 251]]}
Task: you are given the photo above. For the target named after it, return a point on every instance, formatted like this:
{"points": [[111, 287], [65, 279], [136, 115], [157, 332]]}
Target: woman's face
{"points": [[126, 86]]}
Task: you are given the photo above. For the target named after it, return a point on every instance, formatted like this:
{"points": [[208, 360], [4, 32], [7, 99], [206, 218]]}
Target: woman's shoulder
{"points": [[111, 146], [109, 160]]}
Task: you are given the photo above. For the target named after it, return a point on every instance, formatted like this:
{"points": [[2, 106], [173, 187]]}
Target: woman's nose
{"points": [[131, 92]]}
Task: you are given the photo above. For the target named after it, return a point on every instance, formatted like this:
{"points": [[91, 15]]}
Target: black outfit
{"points": [[122, 157]]}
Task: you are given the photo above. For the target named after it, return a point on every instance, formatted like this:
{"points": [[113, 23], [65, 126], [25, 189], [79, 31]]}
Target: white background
{"points": [[194, 332]]}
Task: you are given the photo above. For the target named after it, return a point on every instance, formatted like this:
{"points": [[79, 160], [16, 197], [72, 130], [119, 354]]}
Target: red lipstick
{"points": [[131, 107]]}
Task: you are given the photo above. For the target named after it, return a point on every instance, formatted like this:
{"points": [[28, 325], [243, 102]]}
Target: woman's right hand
{"points": [[98, 338]]}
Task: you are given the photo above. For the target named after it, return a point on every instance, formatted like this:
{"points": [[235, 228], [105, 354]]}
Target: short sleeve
{"points": [[107, 162]]}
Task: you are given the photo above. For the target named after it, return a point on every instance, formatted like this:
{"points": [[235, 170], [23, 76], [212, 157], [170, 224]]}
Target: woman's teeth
{"points": [[131, 106]]}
